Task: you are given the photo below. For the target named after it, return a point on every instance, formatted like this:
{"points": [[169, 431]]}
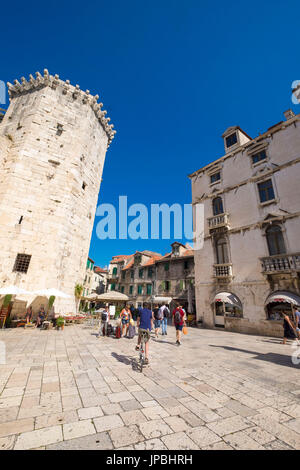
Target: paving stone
{"points": [[259, 435], [16, 427], [112, 409], [192, 420], [277, 445], [106, 423], [120, 397], [179, 441], [125, 435], [241, 441], [99, 441], [130, 405], [7, 443], [154, 429], [151, 444], [48, 420], [229, 425], [239, 408], [176, 424], [133, 417], [221, 445], [203, 436], [41, 437], [87, 413], [78, 429], [154, 412]]}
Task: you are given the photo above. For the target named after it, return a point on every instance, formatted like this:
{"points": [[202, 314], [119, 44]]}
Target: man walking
{"points": [[105, 317], [179, 322], [165, 314], [145, 325]]}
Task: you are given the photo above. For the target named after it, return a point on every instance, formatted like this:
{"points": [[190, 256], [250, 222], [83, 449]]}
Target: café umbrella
{"points": [[14, 290], [52, 292]]}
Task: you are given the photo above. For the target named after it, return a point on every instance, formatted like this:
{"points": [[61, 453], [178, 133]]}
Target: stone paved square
{"points": [[219, 390]]}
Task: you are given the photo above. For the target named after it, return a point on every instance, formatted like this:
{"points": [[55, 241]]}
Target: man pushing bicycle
{"points": [[145, 325]]}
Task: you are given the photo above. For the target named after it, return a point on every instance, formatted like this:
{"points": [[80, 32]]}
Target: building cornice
{"points": [[242, 148], [54, 82]]}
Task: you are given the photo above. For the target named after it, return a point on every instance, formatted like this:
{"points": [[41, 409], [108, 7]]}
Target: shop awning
{"points": [[162, 299], [283, 297], [228, 298]]}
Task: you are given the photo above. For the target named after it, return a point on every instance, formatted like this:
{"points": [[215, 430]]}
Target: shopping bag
{"points": [[184, 330]]}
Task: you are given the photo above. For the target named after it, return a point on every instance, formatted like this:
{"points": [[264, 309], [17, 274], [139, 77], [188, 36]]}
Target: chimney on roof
{"points": [[289, 114]]}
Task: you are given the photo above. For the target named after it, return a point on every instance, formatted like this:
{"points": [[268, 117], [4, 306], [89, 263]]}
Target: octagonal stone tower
{"points": [[53, 142]]}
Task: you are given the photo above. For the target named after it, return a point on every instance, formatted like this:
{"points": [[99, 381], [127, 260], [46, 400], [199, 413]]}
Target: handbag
{"points": [[185, 330]]}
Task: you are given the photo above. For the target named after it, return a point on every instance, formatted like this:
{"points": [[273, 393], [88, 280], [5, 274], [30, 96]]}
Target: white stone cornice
{"points": [[65, 88]]}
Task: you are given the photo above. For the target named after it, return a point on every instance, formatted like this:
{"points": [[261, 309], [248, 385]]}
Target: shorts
{"points": [[157, 323], [179, 327], [125, 322], [146, 334]]}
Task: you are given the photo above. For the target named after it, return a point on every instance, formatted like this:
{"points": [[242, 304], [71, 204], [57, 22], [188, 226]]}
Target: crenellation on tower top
{"points": [[65, 87]]}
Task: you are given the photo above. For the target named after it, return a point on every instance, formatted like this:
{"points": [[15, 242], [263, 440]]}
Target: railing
{"points": [[221, 220], [281, 263], [223, 270]]}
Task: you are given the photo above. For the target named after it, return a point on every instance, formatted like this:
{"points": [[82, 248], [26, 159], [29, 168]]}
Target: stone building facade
{"points": [[149, 277], [249, 268], [53, 142]]}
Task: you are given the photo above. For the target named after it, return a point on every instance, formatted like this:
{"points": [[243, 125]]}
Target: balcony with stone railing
{"points": [[280, 263], [217, 221], [223, 271]]}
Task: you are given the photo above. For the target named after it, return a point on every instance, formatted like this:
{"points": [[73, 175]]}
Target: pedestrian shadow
{"points": [[130, 361], [274, 358]]}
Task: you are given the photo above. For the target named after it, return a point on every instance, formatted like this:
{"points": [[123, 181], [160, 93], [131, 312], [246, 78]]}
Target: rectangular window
{"points": [[140, 289], [130, 290], [132, 274], [149, 289], [150, 272], [167, 286], [231, 140], [167, 266], [141, 273], [258, 157], [123, 274], [215, 177], [186, 265], [113, 287], [115, 270], [22, 263], [122, 289], [266, 191]]}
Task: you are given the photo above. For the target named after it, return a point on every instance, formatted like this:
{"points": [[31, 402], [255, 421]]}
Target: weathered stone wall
{"points": [[51, 178]]}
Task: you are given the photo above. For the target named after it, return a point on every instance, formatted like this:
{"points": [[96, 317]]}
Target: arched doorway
{"points": [[278, 302], [226, 304]]}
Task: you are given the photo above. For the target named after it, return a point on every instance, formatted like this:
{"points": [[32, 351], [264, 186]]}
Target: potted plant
{"points": [[50, 304], [60, 323]]}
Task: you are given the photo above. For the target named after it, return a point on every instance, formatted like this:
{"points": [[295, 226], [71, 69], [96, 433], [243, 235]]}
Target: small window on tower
{"points": [[231, 140], [83, 185], [22, 263]]}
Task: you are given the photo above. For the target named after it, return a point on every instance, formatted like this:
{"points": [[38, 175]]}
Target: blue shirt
{"points": [[145, 318], [297, 313]]}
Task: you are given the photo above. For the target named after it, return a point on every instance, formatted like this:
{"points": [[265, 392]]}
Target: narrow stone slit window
{"points": [[83, 185], [22, 263], [20, 220]]}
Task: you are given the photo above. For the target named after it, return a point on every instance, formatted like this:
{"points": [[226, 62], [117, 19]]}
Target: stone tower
{"points": [[53, 141]]}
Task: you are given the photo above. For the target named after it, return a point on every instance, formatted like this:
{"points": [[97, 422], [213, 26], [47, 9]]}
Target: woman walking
{"points": [[125, 317], [28, 315]]}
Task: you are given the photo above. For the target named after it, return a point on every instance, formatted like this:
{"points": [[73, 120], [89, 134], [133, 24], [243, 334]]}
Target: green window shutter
{"points": [[115, 270], [149, 289], [181, 285]]}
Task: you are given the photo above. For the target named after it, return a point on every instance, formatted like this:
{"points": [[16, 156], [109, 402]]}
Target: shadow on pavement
{"points": [[279, 359]]}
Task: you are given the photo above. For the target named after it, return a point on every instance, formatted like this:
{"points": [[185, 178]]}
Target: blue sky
{"points": [[172, 75]]}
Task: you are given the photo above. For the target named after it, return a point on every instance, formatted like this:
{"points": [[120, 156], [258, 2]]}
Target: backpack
{"points": [[156, 314], [104, 316], [177, 317], [159, 314], [166, 312]]}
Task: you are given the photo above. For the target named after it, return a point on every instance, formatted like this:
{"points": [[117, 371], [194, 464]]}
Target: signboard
{"points": [[112, 311]]}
